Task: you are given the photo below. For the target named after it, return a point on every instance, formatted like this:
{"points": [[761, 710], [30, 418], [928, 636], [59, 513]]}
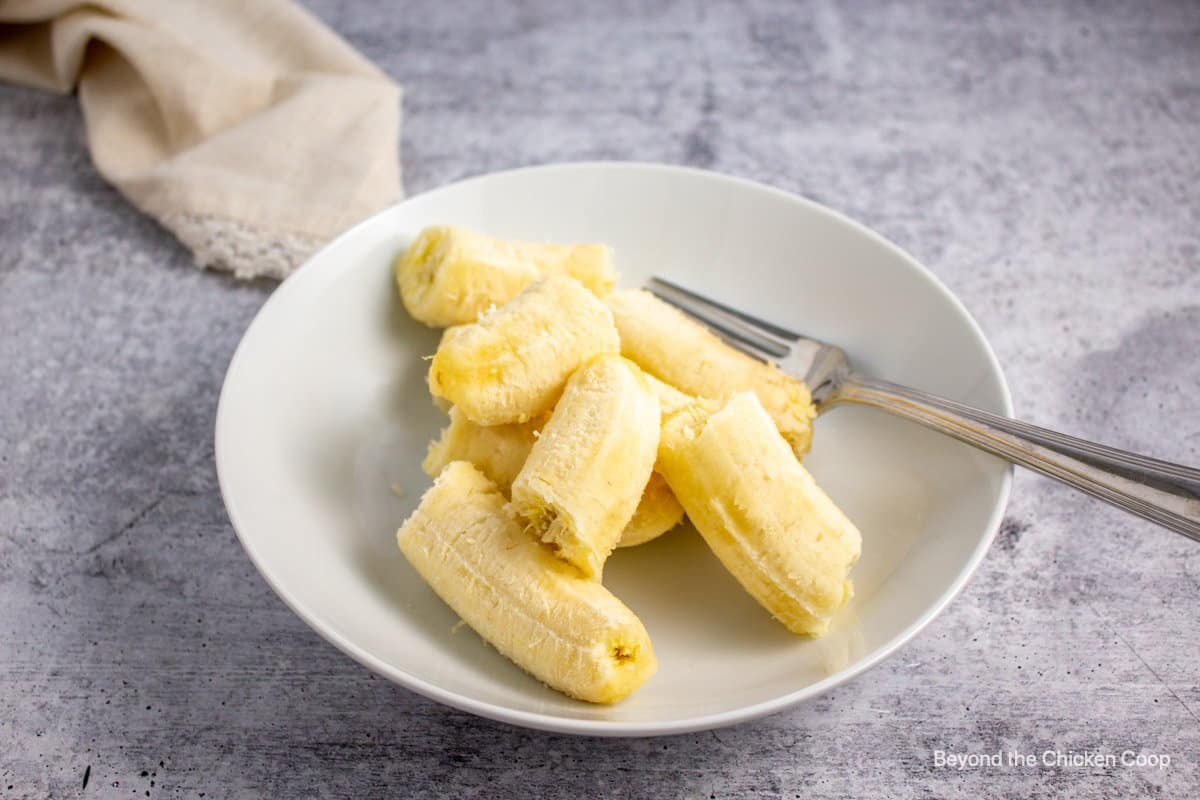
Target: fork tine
{"points": [[724, 322], [769, 327]]}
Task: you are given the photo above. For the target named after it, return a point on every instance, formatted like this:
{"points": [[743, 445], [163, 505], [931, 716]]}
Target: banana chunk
{"points": [[499, 452], [672, 401], [680, 351], [760, 512], [657, 512], [585, 474], [568, 632], [449, 276], [511, 365]]}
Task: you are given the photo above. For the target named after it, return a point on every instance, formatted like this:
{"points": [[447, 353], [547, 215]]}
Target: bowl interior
{"points": [[324, 419]]}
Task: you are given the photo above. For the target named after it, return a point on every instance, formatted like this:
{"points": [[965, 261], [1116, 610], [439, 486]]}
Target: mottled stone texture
{"points": [[1042, 158]]}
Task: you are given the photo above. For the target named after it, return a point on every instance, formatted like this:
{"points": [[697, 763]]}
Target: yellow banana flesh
{"points": [[569, 632], [760, 511], [499, 451], [511, 365], [657, 512], [586, 472], [671, 346], [449, 275], [673, 402]]}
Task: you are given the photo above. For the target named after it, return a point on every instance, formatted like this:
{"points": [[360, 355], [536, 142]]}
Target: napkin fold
{"points": [[248, 129]]}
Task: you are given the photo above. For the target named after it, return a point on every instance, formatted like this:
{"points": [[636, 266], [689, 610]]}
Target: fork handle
{"points": [[1159, 491]]}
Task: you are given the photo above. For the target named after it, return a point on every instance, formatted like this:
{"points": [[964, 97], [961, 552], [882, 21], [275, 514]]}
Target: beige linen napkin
{"points": [[246, 127]]}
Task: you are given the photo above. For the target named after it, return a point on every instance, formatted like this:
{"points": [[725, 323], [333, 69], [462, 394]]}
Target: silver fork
{"points": [[1159, 491]]}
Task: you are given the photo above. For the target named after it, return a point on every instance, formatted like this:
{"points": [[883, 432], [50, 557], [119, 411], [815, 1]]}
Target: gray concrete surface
{"points": [[1042, 158]]}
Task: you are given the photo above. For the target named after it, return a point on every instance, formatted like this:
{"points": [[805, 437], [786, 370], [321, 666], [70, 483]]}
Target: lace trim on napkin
{"points": [[233, 246]]}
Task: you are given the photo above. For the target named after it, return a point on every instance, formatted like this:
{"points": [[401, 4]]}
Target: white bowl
{"points": [[324, 418]]}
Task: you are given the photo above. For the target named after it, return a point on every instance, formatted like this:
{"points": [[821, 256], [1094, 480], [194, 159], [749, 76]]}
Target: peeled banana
{"points": [[670, 345], [567, 631], [672, 401], [585, 474], [449, 276], [657, 512], [511, 365], [760, 511], [499, 452]]}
